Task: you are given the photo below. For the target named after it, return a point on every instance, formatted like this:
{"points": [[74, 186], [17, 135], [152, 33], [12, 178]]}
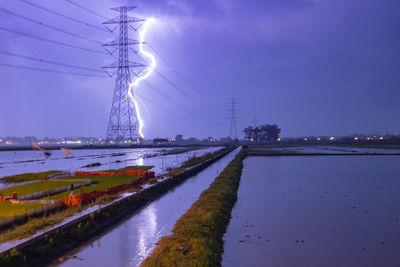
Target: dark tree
{"points": [[262, 133], [160, 140]]}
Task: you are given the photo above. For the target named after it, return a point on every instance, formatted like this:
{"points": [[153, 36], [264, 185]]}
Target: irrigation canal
{"points": [[129, 242]]}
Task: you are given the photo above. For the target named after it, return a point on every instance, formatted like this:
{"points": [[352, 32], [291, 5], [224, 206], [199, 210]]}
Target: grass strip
{"points": [[8, 209], [33, 225], [99, 183], [18, 178], [27, 189], [197, 235], [195, 160]]}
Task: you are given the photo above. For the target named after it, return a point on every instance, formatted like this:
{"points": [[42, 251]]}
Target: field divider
{"points": [[197, 235]]}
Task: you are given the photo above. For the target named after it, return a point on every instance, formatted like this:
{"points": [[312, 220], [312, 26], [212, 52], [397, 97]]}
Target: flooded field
{"points": [[16, 162], [335, 150], [128, 243], [316, 211]]}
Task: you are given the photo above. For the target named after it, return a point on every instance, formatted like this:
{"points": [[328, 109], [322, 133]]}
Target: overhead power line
{"points": [[51, 41], [64, 16], [49, 70], [173, 113], [86, 9], [48, 61], [185, 107], [48, 26], [203, 105], [180, 75]]}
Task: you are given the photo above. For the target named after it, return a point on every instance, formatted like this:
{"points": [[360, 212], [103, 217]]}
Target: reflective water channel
{"points": [[316, 211], [16, 162], [128, 243]]}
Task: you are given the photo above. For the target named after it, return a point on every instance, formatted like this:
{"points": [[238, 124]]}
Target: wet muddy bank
{"points": [[50, 245]]}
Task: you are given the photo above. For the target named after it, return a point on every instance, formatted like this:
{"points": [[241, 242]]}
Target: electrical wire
{"points": [[185, 107], [51, 41], [172, 113], [48, 26], [50, 70], [47, 61], [64, 16], [86, 9], [183, 91], [179, 74], [165, 95]]}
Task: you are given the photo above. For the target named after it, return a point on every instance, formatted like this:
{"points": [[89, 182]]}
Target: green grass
{"points": [[8, 210], [27, 189], [193, 161], [197, 235], [29, 228], [100, 183], [196, 160], [27, 176], [103, 182]]}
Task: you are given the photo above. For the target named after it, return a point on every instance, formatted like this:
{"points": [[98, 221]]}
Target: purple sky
{"points": [[322, 67]]}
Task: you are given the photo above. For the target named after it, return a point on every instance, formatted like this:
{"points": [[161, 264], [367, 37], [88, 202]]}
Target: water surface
{"points": [[316, 211]]}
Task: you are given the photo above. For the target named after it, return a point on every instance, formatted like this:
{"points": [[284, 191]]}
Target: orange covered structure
{"points": [[78, 199], [115, 173]]}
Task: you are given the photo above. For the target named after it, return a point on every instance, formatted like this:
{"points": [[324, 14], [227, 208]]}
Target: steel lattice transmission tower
{"points": [[233, 117], [123, 123]]}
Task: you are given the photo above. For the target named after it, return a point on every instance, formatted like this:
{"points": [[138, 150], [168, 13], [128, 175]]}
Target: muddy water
{"points": [[316, 211], [128, 243]]}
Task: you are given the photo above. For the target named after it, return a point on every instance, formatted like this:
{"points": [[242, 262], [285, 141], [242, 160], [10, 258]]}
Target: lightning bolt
{"points": [[145, 73]]}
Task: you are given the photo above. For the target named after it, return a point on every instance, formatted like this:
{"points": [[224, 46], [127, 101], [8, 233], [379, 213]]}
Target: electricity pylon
{"points": [[123, 124], [233, 117]]}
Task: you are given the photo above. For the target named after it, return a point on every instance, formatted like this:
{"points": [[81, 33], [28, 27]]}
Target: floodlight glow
{"points": [[145, 73]]}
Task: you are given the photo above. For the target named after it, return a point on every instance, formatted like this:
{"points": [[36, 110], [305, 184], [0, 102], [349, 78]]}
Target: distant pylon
{"points": [[123, 124], [233, 117]]}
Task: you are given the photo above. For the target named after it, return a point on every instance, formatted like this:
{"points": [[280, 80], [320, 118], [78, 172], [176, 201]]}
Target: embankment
{"points": [[197, 235]]}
